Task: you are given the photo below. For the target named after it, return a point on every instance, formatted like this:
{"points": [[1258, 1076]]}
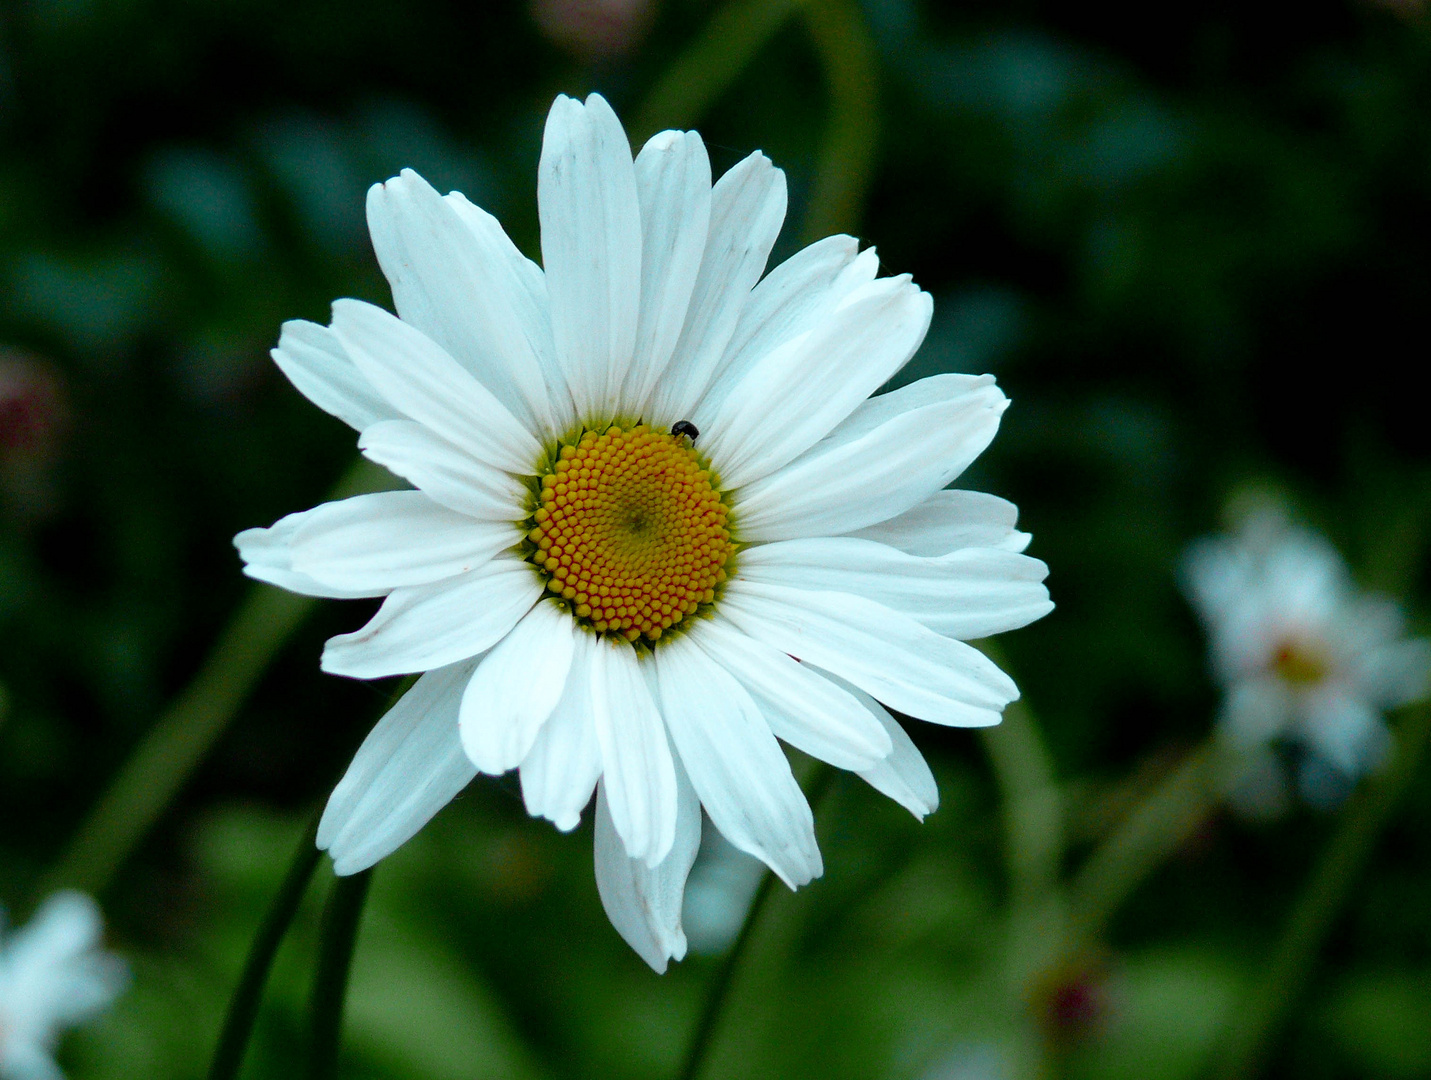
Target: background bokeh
{"points": [[1194, 244]]}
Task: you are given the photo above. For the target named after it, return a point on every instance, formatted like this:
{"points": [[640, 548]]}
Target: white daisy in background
{"points": [[1305, 656], [53, 976], [659, 524]]}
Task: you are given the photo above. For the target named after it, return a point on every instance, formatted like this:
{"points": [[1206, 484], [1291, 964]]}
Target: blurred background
{"points": [[1194, 244]]}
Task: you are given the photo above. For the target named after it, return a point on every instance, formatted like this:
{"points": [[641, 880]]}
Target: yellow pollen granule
{"points": [[631, 530]]}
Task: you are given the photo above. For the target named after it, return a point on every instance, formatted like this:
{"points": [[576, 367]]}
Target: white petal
{"points": [[317, 364], [53, 974], [1346, 731], [805, 709], [21, 1059], [797, 393], [1213, 577], [948, 521], [531, 304], [844, 483], [516, 688], [427, 385], [747, 210], [591, 248], [787, 302], [642, 902], [904, 775], [88, 985], [443, 472], [564, 763], [268, 557], [888, 655], [969, 594], [457, 278], [1395, 673], [431, 626], [735, 764], [67, 925], [1255, 712], [637, 772], [934, 390], [673, 183], [392, 539], [409, 767]]}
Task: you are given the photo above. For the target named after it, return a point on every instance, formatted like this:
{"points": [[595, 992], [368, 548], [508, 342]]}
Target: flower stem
{"points": [[846, 162], [1271, 999], [341, 918], [697, 77], [1166, 818], [719, 987], [703, 1036], [174, 747], [1032, 804], [243, 1008]]}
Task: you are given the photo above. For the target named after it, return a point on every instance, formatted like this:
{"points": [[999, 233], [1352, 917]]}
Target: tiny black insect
{"points": [[686, 428]]}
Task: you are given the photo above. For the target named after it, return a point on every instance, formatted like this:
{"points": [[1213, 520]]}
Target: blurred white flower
{"points": [[647, 481], [1306, 657], [53, 976]]}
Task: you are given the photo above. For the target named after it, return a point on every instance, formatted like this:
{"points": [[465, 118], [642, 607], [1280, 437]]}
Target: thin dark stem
{"points": [[341, 918], [243, 1008], [1285, 975], [710, 64], [1171, 813], [847, 153], [719, 989]]}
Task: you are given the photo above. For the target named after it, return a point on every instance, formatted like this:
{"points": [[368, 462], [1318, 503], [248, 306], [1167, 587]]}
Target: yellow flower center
{"points": [[631, 531], [1300, 664]]}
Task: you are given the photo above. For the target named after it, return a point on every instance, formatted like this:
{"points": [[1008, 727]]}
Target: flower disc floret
{"points": [[631, 530], [1301, 664]]}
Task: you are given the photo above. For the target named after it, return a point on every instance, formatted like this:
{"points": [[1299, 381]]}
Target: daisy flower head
{"points": [[1306, 658], [53, 976], [658, 522]]}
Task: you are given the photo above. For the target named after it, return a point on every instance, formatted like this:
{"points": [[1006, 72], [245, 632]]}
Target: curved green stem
{"points": [[1272, 996], [338, 942], [697, 77], [703, 1035], [1155, 829], [846, 163], [243, 1008], [736, 33], [1032, 804], [719, 989], [1032, 810], [174, 747]]}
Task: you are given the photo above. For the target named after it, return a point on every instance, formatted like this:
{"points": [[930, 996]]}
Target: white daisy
{"points": [[1305, 656], [647, 480], [53, 976]]}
